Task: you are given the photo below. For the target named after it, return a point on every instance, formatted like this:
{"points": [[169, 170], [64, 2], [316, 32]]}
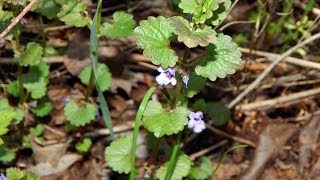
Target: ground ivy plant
{"points": [[180, 78]]}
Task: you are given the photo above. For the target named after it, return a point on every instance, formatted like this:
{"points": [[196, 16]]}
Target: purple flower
{"points": [[166, 77], [23, 21], [185, 79], [2, 176], [196, 121], [65, 100]]}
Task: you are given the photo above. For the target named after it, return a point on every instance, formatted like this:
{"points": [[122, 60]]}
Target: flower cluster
{"points": [[196, 121], [166, 77], [2, 177]]}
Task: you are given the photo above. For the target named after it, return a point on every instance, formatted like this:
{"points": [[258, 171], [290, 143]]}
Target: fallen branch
{"points": [[105, 132], [202, 152], [273, 56], [279, 100], [257, 82], [17, 19]]}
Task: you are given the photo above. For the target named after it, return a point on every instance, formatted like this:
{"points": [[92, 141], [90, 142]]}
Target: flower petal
{"points": [[191, 123]]}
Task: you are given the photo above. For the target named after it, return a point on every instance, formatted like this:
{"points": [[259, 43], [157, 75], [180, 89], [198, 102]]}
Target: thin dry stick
{"points": [[235, 138], [232, 6], [256, 83], [292, 60], [235, 22], [50, 60], [202, 152], [17, 19], [279, 100]]}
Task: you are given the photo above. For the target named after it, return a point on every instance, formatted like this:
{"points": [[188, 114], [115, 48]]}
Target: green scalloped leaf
{"points": [[122, 27], [219, 113], [84, 145], [72, 13], [13, 88], [195, 84], [221, 13], [164, 122], [5, 15], [190, 37], [79, 116], [201, 9], [153, 36], [118, 154], [103, 76], [180, 171], [202, 169], [6, 116], [36, 80], [221, 58], [37, 130], [14, 173], [48, 8], [6, 154], [31, 56], [43, 108]]}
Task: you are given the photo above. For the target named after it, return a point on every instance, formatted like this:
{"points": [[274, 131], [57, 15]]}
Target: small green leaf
{"points": [[13, 88], [153, 36], [43, 108], [19, 115], [4, 103], [195, 84], [35, 81], [37, 130], [48, 8], [202, 169], [6, 156], [6, 116], [14, 173], [221, 13], [84, 146], [164, 122], [31, 56], [117, 155], [5, 15], [180, 171], [189, 6], [221, 58], [17, 2], [219, 113], [200, 105], [190, 37], [122, 27], [79, 116], [103, 76], [72, 13]]}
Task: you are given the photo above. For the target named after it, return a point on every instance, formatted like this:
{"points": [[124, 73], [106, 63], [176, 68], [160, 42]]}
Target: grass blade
{"points": [[173, 158], [137, 121], [94, 46]]}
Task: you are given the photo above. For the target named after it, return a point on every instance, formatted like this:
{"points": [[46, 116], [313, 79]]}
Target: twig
{"points": [[104, 132], [232, 6], [235, 22], [256, 83], [204, 151], [17, 19], [292, 60], [50, 60], [235, 138], [279, 100]]}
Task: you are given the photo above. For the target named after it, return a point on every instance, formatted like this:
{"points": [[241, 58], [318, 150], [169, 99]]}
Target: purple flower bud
{"points": [[196, 121], [166, 77], [65, 100], [23, 21], [2, 177], [185, 79]]}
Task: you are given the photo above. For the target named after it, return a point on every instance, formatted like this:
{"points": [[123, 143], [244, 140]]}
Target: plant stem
{"points": [[173, 158], [90, 86]]}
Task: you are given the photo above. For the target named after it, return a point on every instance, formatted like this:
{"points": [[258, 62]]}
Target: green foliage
{"points": [[48, 8], [36, 79], [37, 130], [195, 84], [4, 103], [219, 113], [153, 36], [200, 105], [43, 108], [31, 56], [79, 116], [188, 35], [72, 13], [201, 9], [103, 76], [84, 145], [118, 156], [6, 116], [221, 58], [164, 122], [13, 88], [202, 169], [221, 13], [17, 174], [180, 171], [6, 156], [5, 15], [17, 2], [122, 26], [50, 51]]}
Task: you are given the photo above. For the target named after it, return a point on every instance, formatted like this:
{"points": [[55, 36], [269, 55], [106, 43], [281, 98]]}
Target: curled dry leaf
{"points": [[271, 141]]}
